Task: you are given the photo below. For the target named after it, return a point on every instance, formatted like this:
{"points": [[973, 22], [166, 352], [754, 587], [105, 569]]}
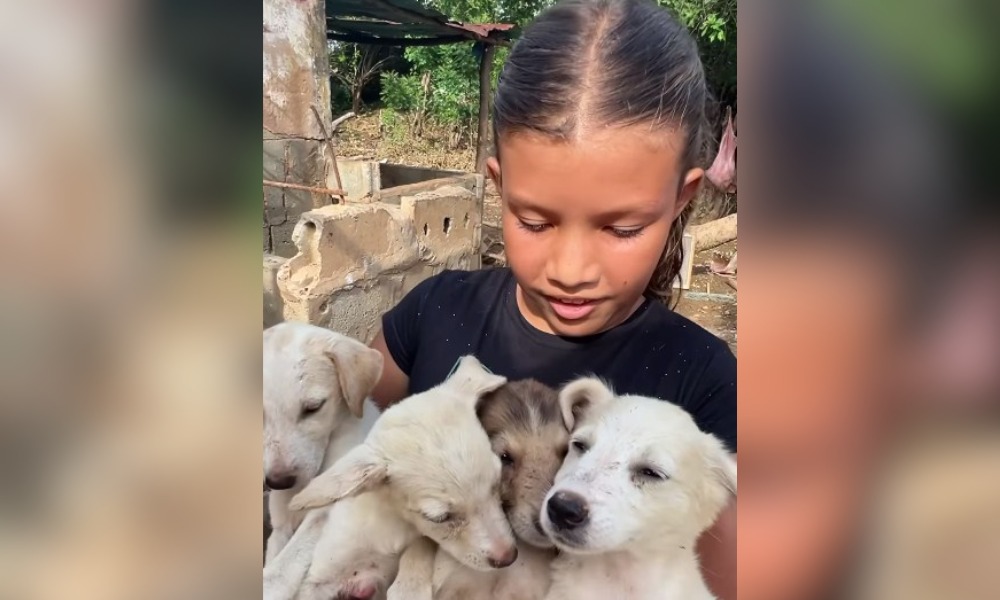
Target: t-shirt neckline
{"points": [[558, 341]]}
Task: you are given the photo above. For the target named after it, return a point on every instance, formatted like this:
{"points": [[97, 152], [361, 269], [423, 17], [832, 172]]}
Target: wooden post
{"points": [[482, 136]]}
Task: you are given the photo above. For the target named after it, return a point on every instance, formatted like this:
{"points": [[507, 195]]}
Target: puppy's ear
{"points": [[579, 397], [358, 370], [360, 470], [470, 377], [726, 472], [722, 464]]}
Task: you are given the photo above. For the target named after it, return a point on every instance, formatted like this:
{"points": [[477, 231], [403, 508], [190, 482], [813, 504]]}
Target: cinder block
{"points": [[342, 245], [359, 177], [446, 221], [275, 215], [304, 166], [274, 170], [281, 239], [357, 310], [272, 297]]}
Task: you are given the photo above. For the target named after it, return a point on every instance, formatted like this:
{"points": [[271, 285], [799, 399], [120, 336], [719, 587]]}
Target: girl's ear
{"points": [[689, 189], [493, 170]]}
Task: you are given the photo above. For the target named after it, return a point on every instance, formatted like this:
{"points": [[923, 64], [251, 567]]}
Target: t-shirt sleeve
{"points": [[401, 326], [714, 405]]}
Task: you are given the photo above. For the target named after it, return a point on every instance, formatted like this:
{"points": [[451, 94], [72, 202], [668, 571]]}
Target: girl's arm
{"points": [[717, 551], [394, 384]]}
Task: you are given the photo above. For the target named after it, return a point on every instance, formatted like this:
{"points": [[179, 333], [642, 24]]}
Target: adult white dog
{"points": [[638, 487], [315, 385]]}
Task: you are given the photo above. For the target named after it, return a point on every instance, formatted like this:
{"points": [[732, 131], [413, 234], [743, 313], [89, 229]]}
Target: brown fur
{"points": [[523, 421]]}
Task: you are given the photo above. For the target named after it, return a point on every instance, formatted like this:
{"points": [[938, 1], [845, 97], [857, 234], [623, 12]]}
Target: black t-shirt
{"points": [[656, 352]]}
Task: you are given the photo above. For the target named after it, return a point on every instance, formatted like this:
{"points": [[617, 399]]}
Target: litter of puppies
{"points": [[480, 488]]}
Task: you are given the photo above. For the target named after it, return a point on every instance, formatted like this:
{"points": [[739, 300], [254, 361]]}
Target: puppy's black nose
{"points": [[567, 510], [280, 483]]}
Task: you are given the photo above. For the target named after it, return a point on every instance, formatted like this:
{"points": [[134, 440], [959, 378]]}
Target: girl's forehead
{"points": [[636, 168], [631, 140]]}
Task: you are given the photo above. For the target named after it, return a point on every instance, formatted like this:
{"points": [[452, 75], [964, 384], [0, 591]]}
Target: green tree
{"points": [[354, 66], [713, 23]]}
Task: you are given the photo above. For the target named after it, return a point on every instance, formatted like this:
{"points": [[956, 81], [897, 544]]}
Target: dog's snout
{"points": [[503, 558], [281, 482], [567, 510]]}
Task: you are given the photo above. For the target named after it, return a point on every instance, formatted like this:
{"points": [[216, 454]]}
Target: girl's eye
{"points": [[626, 232], [506, 459], [580, 446], [532, 227]]}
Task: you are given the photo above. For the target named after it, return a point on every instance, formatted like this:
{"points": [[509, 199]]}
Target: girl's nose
{"points": [[571, 265]]}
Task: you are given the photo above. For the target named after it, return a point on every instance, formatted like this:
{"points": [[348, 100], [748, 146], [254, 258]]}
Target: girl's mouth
{"points": [[571, 309]]}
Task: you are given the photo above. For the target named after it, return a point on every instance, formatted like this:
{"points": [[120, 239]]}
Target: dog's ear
{"points": [[470, 377], [579, 397], [722, 464], [358, 471], [358, 370]]}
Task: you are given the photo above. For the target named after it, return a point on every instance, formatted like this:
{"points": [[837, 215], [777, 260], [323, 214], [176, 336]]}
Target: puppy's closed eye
{"points": [[651, 473], [439, 518], [580, 446], [311, 408]]}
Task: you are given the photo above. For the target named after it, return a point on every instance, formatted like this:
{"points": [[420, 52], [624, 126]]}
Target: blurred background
{"points": [[870, 307], [869, 317]]}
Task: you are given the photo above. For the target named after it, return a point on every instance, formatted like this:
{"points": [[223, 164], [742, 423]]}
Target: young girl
{"points": [[599, 128]]}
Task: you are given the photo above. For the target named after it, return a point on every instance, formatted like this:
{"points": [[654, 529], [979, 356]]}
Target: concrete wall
{"points": [[354, 262], [296, 78]]}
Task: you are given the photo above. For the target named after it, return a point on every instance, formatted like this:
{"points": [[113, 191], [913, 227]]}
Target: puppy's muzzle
{"points": [[503, 558], [567, 511]]}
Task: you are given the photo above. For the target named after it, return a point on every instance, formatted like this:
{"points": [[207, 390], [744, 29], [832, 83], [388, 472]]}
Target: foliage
{"points": [[452, 98], [713, 23], [355, 65]]}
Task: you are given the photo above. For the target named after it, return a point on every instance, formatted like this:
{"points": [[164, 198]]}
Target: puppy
{"points": [[638, 487], [525, 425], [315, 385], [426, 468]]}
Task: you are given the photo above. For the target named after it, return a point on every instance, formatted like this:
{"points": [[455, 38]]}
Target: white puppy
{"points": [[426, 468], [638, 487], [315, 385], [525, 424]]}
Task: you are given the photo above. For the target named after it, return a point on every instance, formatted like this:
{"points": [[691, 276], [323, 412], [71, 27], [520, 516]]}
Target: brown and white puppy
{"points": [[315, 385], [526, 429]]}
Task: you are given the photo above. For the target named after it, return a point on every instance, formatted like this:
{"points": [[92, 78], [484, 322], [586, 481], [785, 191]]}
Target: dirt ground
{"points": [[710, 302]]}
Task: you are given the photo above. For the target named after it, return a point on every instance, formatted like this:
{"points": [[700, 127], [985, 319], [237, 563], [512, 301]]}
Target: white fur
{"points": [[427, 572], [304, 366], [424, 457], [639, 540]]}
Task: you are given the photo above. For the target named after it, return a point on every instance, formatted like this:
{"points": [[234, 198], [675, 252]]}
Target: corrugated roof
{"points": [[404, 22]]}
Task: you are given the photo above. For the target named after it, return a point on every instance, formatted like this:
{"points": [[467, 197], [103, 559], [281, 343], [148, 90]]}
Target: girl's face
{"points": [[586, 221]]}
